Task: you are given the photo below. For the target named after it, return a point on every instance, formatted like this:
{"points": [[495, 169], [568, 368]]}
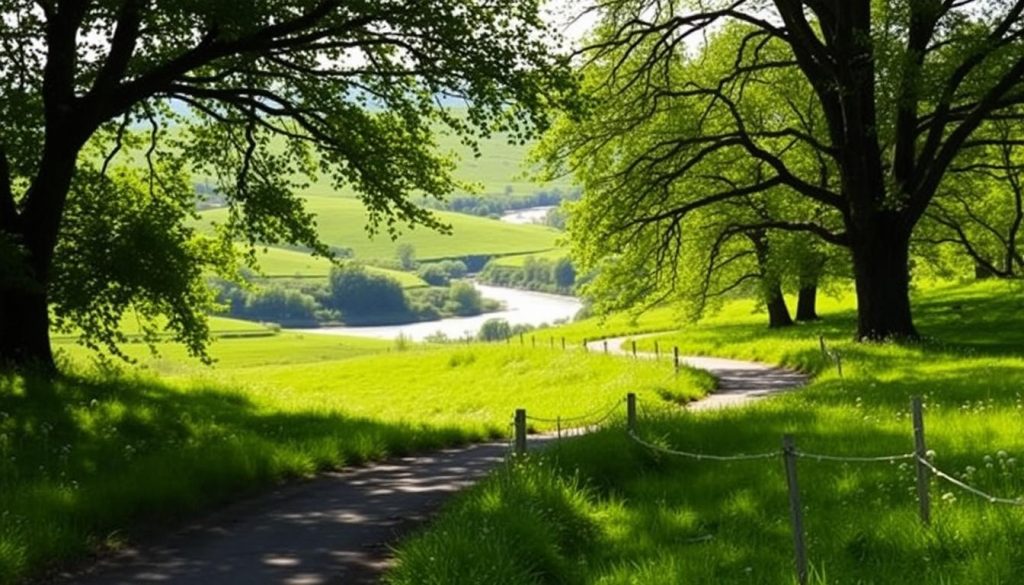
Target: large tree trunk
{"points": [[880, 263], [806, 304], [771, 290], [24, 330], [778, 312]]}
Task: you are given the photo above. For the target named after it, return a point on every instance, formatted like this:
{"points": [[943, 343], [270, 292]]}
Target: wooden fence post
{"points": [[839, 363], [551, 342], [520, 431], [606, 346], [675, 357], [585, 344], [921, 451], [657, 351], [563, 344], [631, 411], [522, 341], [796, 512]]}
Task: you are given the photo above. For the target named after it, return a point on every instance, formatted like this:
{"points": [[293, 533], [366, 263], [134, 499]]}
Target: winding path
{"points": [[739, 382], [337, 528]]}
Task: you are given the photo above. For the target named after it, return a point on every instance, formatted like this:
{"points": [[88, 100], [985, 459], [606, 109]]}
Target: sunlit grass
{"points": [[661, 520], [95, 458]]}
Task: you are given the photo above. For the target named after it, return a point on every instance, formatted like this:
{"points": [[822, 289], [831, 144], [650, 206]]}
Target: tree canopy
{"points": [[842, 118], [111, 108]]}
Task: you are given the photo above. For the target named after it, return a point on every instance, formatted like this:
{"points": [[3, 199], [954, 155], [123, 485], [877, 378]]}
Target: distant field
{"points": [[219, 327], [282, 263], [519, 260], [501, 168], [342, 222]]}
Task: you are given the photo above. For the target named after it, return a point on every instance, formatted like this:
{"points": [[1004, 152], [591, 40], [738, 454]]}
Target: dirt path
{"points": [[337, 528], [739, 381]]}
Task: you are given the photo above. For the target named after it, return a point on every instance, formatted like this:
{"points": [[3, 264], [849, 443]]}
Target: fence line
{"points": [[702, 456], [854, 458], [987, 497]]}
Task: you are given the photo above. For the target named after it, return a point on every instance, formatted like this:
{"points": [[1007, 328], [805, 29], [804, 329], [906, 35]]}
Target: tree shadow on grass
{"points": [[86, 460]]}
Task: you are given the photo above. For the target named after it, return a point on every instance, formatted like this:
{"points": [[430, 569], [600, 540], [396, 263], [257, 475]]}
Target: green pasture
{"points": [[342, 222]]}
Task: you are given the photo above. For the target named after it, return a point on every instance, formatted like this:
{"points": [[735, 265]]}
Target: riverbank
{"points": [[520, 307]]}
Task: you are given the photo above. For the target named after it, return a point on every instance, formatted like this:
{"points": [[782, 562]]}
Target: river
{"points": [[520, 307], [527, 215]]}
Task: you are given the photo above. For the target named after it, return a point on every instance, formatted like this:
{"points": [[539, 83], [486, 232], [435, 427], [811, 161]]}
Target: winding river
{"points": [[520, 307]]}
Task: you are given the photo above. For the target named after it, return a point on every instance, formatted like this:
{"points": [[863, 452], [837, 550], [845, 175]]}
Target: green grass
{"points": [[649, 519], [219, 327], [94, 460], [282, 263], [342, 223], [233, 353], [519, 260]]}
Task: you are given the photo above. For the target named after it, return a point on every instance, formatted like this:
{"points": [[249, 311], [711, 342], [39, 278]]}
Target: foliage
{"points": [[363, 296], [836, 121], [494, 330], [441, 273], [552, 273], [274, 97], [464, 299], [406, 254]]}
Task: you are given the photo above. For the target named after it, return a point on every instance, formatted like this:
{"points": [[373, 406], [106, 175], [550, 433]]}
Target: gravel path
{"points": [[337, 527], [739, 381]]}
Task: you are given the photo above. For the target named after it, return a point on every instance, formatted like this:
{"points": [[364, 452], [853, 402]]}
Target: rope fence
{"points": [[789, 454]]}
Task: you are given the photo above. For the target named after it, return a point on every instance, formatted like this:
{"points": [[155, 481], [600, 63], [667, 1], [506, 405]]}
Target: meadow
{"points": [[341, 222], [603, 509], [100, 457], [282, 263]]}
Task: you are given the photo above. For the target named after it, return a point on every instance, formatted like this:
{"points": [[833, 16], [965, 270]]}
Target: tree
{"points": [[406, 254], [564, 273], [897, 90], [464, 299], [366, 297], [980, 209], [260, 97], [494, 330]]}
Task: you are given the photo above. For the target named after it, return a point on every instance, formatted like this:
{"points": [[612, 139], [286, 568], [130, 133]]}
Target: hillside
{"points": [[342, 222]]}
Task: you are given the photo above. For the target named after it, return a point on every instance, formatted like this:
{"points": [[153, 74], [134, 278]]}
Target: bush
{"points": [[434, 275], [280, 304], [464, 300], [495, 330], [365, 297]]}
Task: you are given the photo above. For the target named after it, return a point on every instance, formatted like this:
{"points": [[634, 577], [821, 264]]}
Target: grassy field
{"points": [[95, 459], [606, 510], [499, 169], [342, 222], [219, 327], [519, 260], [282, 263]]}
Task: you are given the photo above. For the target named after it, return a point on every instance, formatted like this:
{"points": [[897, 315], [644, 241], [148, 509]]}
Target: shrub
{"points": [[362, 296], [464, 299], [495, 330]]}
